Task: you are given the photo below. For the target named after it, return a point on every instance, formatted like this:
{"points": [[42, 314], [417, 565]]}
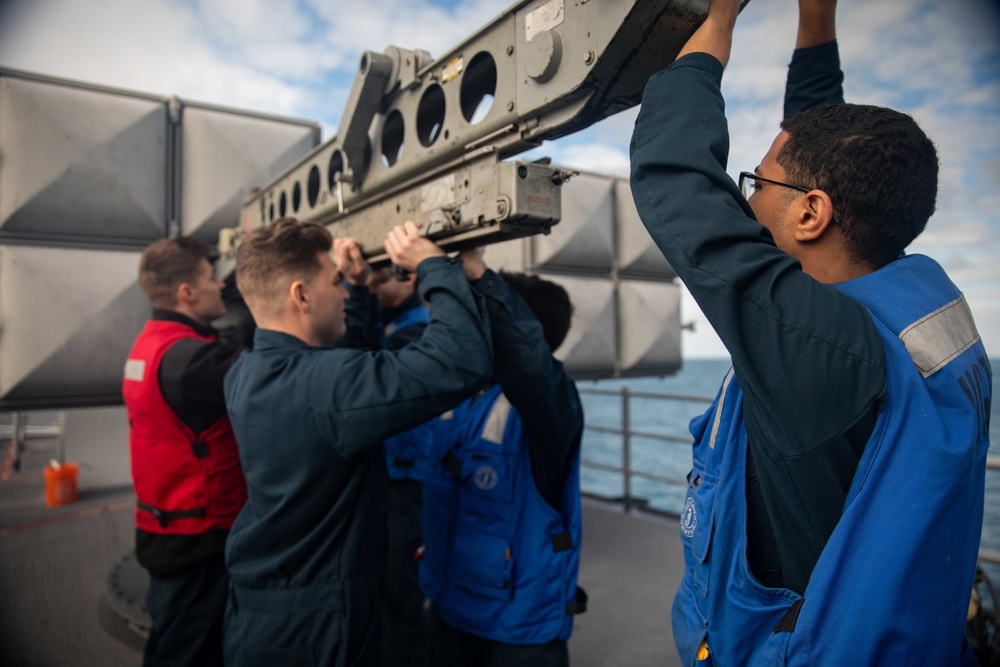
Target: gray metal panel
{"points": [[591, 347], [81, 163], [68, 318], [584, 238], [224, 154], [637, 254], [649, 328]]}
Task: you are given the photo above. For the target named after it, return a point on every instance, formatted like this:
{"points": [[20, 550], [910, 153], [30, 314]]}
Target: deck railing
{"points": [[627, 433]]}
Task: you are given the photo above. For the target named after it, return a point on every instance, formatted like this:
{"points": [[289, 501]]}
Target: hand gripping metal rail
{"points": [[423, 139]]}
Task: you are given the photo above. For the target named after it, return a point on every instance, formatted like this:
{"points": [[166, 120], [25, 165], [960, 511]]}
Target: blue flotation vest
{"points": [[893, 582], [499, 561], [407, 455]]}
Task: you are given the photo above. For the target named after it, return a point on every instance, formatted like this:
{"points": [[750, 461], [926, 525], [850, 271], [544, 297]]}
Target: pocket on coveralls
{"points": [[696, 522], [481, 563]]}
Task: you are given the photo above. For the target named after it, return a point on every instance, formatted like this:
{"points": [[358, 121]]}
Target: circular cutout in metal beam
{"points": [[430, 115], [479, 86]]}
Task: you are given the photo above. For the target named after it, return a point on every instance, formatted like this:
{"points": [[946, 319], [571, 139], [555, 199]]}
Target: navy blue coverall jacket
{"points": [[307, 552]]}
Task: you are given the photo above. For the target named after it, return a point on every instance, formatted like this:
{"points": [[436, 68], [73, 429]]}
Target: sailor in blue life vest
{"points": [[311, 405], [834, 509], [502, 523], [188, 483], [405, 638]]}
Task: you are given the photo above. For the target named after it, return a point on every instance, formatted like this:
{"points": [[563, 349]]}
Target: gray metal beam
{"points": [[540, 70]]}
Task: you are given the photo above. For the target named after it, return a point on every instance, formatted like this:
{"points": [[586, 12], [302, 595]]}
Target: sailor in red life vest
{"points": [[188, 481]]}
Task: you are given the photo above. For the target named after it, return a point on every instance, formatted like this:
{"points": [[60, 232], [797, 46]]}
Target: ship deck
{"points": [[56, 561]]}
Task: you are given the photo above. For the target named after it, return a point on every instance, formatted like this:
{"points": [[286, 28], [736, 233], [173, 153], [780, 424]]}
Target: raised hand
{"points": [[352, 264], [407, 248], [472, 262]]}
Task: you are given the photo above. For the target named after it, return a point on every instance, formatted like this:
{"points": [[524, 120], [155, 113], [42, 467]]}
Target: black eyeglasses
{"points": [[748, 186]]}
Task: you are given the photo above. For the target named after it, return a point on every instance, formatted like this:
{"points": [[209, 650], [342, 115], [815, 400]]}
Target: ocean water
{"points": [[699, 377]]}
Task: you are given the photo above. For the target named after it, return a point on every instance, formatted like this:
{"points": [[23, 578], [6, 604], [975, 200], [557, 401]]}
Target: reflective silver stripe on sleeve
{"points": [[939, 337], [718, 409], [496, 423]]}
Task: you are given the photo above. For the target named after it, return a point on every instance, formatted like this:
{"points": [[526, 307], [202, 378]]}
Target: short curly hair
{"points": [[877, 165]]}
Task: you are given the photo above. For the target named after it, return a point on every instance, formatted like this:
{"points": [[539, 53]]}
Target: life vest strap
{"points": [[580, 605], [199, 448], [402, 464], [165, 518], [453, 465], [562, 542], [791, 617]]}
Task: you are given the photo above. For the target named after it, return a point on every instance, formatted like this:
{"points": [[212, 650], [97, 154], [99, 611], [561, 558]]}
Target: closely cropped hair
{"points": [[270, 257], [548, 301], [167, 263], [877, 165]]}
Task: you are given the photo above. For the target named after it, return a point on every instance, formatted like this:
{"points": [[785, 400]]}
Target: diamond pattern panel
{"points": [[66, 337], [81, 162]]}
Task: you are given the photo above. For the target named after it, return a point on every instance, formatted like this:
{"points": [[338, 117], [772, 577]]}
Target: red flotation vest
{"points": [[186, 483]]}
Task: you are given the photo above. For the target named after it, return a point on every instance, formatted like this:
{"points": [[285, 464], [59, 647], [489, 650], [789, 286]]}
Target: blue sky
{"points": [[937, 60]]}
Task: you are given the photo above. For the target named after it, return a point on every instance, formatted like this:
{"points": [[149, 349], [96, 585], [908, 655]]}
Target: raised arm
{"points": [[361, 311], [369, 396], [817, 23], [774, 319], [715, 35], [814, 75], [532, 379]]}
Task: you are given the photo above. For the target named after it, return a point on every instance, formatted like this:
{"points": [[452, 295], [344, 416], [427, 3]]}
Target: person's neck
{"points": [[831, 269], [188, 313], [292, 327]]}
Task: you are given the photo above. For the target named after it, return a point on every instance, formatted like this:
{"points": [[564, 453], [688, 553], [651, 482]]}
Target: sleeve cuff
{"points": [[703, 61], [823, 57], [434, 264]]}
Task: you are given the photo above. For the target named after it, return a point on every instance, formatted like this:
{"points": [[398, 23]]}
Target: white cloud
{"points": [[935, 60], [599, 158], [152, 46], [410, 24]]}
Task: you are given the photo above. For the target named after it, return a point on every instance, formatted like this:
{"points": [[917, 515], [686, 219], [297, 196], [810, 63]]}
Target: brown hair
{"points": [[285, 249], [167, 263]]}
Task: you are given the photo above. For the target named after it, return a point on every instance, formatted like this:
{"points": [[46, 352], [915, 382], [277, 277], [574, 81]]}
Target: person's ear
{"points": [[185, 293], [299, 295], [815, 216]]}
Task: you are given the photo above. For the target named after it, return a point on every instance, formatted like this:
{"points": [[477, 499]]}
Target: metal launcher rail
{"points": [[423, 139]]}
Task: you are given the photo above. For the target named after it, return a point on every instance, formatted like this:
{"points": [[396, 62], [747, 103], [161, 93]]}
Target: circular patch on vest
{"points": [[486, 478], [689, 518]]}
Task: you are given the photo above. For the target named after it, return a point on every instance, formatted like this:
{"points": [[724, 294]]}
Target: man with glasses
{"points": [[835, 505]]}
